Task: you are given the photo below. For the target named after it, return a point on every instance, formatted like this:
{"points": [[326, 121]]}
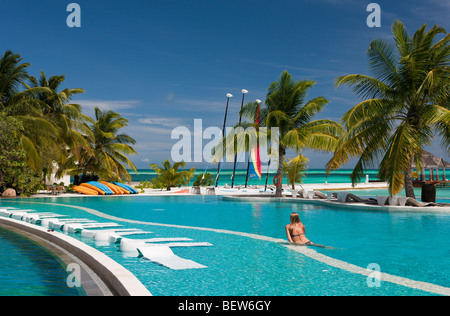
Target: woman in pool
{"points": [[295, 231]]}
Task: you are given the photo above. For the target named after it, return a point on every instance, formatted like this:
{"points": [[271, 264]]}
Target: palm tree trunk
{"points": [[409, 188], [281, 153]]}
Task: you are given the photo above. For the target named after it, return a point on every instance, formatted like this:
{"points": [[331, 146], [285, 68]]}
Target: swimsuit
{"points": [[306, 243]]}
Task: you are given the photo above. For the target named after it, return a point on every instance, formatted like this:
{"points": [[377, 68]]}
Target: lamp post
{"points": [[229, 95], [258, 102], [244, 92]]}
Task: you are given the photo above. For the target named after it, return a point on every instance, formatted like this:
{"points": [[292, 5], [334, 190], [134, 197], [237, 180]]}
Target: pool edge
{"points": [[121, 281]]}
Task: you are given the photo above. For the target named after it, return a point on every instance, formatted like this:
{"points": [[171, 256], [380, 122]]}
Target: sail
{"points": [[255, 165]]}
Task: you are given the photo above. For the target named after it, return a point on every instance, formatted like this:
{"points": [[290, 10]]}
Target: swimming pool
{"points": [[408, 245], [29, 270]]}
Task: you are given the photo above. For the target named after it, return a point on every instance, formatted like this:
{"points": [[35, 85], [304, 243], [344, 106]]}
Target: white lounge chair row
{"points": [[154, 249]]}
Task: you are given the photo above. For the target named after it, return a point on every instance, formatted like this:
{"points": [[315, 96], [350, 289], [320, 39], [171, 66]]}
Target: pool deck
{"points": [[347, 206], [255, 194]]}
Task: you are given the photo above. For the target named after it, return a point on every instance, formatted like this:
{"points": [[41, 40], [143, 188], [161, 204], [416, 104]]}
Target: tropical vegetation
{"points": [[287, 109], [43, 132], [295, 170], [171, 175], [204, 180], [405, 104]]}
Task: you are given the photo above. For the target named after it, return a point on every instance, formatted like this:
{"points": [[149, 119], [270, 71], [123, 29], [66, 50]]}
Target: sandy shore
{"points": [[241, 190]]}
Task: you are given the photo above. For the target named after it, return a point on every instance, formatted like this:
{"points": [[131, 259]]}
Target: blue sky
{"points": [[162, 64]]}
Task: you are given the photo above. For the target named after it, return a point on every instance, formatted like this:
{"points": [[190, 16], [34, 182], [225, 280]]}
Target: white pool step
{"points": [[163, 255]]}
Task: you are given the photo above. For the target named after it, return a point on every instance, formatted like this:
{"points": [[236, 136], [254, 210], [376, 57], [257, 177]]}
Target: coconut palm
{"points": [[18, 100], [104, 152], [404, 105], [295, 169], [286, 108], [169, 175], [65, 116]]}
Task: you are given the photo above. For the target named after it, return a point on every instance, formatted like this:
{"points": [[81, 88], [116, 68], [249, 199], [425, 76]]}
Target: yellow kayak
{"points": [[113, 187], [85, 190], [92, 187]]}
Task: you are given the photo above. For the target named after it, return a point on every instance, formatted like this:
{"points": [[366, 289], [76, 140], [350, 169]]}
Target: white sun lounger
{"points": [[103, 234], [163, 255], [381, 200], [5, 208], [58, 223], [49, 221], [182, 244], [39, 220], [131, 245], [18, 215], [35, 218], [117, 237], [10, 212], [78, 227]]}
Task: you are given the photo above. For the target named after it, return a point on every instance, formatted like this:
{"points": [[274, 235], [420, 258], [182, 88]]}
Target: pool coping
{"points": [[120, 281], [347, 206]]}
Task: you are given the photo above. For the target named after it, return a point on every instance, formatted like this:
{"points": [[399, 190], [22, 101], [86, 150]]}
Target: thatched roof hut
{"points": [[433, 163]]}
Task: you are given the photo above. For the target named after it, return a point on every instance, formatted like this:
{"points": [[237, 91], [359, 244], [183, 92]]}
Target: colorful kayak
{"points": [[85, 190], [113, 187], [102, 187], [126, 187], [121, 189], [93, 187]]}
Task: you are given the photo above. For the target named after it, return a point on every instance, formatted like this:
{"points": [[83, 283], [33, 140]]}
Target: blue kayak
{"points": [[102, 187], [126, 187]]}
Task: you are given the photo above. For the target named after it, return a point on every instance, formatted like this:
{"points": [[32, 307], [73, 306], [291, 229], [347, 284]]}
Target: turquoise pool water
{"points": [[29, 270], [409, 245]]}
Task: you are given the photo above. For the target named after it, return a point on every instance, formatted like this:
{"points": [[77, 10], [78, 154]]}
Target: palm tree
{"points": [[404, 105], [18, 100], [65, 116], [169, 175], [295, 169], [104, 152], [285, 108]]}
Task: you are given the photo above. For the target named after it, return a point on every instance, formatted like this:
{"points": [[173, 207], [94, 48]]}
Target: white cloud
{"points": [[201, 104], [149, 131], [163, 121], [113, 105]]}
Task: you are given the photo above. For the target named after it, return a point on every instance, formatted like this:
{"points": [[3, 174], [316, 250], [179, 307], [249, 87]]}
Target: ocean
{"points": [[312, 176]]}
